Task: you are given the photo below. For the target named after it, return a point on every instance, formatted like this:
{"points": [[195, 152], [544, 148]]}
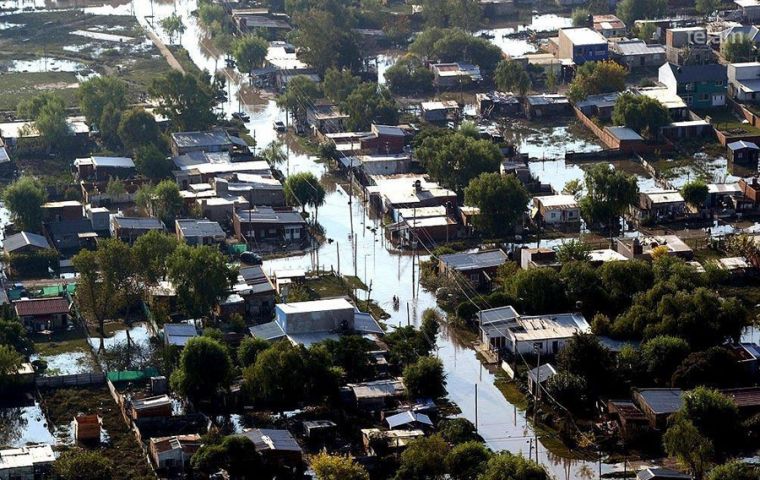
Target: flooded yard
{"points": [[518, 45], [22, 425]]}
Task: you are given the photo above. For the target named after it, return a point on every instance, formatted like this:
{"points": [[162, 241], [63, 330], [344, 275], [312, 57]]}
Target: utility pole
{"points": [[537, 392], [476, 408], [337, 250]]}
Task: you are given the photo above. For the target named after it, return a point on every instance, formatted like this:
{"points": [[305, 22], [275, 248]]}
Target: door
{"points": [[718, 100]]}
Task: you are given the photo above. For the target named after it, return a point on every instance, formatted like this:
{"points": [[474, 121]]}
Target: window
{"points": [[687, 100], [689, 87], [719, 83], [704, 97]]}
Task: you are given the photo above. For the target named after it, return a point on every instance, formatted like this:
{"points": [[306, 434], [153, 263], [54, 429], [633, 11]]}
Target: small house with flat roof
{"points": [[129, 229], [582, 45], [178, 334], [744, 153], [658, 404], [478, 267], [199, 232], [657, 206], [556, 209], [661, 473]]}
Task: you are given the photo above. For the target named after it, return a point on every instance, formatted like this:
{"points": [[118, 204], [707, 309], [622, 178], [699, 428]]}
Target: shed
{"points": [[319, 429], [658, 404], [87, 427], [276, 445], [743, 153], [178, 334], [158, 406], [539, 376], [409, 419], [25, 242]]}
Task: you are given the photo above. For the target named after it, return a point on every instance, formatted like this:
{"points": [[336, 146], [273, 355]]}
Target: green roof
{"points": [[238, 248], [133, 375]]}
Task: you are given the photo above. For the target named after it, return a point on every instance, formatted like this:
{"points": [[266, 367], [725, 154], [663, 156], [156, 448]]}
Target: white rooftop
{"points": [[558, 201], [584, 36], [315, 306]]}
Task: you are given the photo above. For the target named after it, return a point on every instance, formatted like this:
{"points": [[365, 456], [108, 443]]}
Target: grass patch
{"points": [[122, 449], [728, 122], [20, 86], [327, 286], [511, 391], [60, 342]]}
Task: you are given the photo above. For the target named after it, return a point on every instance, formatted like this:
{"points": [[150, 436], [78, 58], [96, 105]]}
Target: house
{"points": [[306, 323], [700, 86], [658, 404], [409, 420], [173, 453], [376, 394], [104, 168], [391, 193], [582, 45], [426, 225], [750, 189], [641, 247], [546, 105], [740, 31], [637, 53], [750, 9], [502, 329], [744, 81], [661, 473], [380, 164], [13, 133], [497, 104], [326, 118], [538, 258], [257, 291], [609, 26], [202, 167], [27, 463], [216, 140], [129, 229], [744, 153], [260, 20], [539, 376], [25, 242], [384, 139], [478, 267], [320, 430], [556, 209], [257, 189], [394, 440], [63, 210], [633, 423], [735, 266], [178, 334], [270, 225], [599, 106], [723, 196], [440, 111], [199, 232], [451, 75], [42, 313], [657, 206], [87, 427], [277, 446], [604, 255], [747, 355], [157, 406], [677, 108], [71, 235], [689, 46], [746, 399]]}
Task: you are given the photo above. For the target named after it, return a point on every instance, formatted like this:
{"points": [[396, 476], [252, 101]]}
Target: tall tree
{"points": [[48, 114], [738, 48], [593, 78], [338, 84], [336, 467], [502, 200], [98, 92], [695, 192], [78, 464], [186, 100], [706, 7], [201, 278], [204, 367], [425, 378], [643, 114], [24, 199], [165, 201], [467, 460], [298, 97], [250, 52], [173, 26], [370, 103], [10, 361], [304, 189], [94, 297], [609, 193], [409, 75], [138, 128], [512, 76], [631, 10], [153, 163], [507, 466], [684, 441], [423, 459]]}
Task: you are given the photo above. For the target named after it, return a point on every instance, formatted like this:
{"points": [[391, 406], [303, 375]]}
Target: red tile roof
{"points": [[41, 306]]}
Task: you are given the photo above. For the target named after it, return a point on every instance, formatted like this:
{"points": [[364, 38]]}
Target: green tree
{"points": [[706, 7], [97, 93], [235, 453], [593, 78], [425, 378], [151, 252], [537, 290], [582, 283], [734, 470], [409, 75], [78, 464], [695, 192], [249, 350], [507, 466], [165, 201], [152, 163], [204, 368], [738, 48], [186, 100], [643, 114], [684, 441], [465, 14], [511, 75], [201, 278], [172, 26], [568, 389], [274, 154], [646, 31], [662, 355], [454, 159], [109, 126], [10, 361], [13, 334], [456, 45], [631, 10], [351, 354], [502, 200], [716, 367], [467, 460], [457, 430], [211, 14], [571, 250], [337, 467], [325, 39], [406, 345], [300, 92], [583, 355], [609, 193], [715, 416], [48, 114], [369, 103], [24, 199], [138, 129], [249, 52], [623, 280], [423, 459], [304, 189], [338, 84], [580, 17], [93, 295]]}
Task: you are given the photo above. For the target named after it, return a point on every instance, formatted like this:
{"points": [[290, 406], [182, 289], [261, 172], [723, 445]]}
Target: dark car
{"points": [[242, 116], [251, 258]]}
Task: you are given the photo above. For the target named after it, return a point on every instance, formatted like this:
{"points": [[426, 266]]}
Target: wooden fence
{"points": [[76, 380]]}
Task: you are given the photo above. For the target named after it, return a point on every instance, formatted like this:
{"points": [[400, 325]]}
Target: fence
{"points": [[601, 155], [77, 380]]}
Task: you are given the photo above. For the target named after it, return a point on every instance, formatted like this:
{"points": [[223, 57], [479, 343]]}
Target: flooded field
{"points": [[21, 425], [513, 46]]}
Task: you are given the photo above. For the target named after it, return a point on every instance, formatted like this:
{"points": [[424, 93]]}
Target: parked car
{"points": [[242, 116], [279, 127], [251, 258]]}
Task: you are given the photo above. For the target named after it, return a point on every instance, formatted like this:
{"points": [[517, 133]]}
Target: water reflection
{"points": [[20, 426]]}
